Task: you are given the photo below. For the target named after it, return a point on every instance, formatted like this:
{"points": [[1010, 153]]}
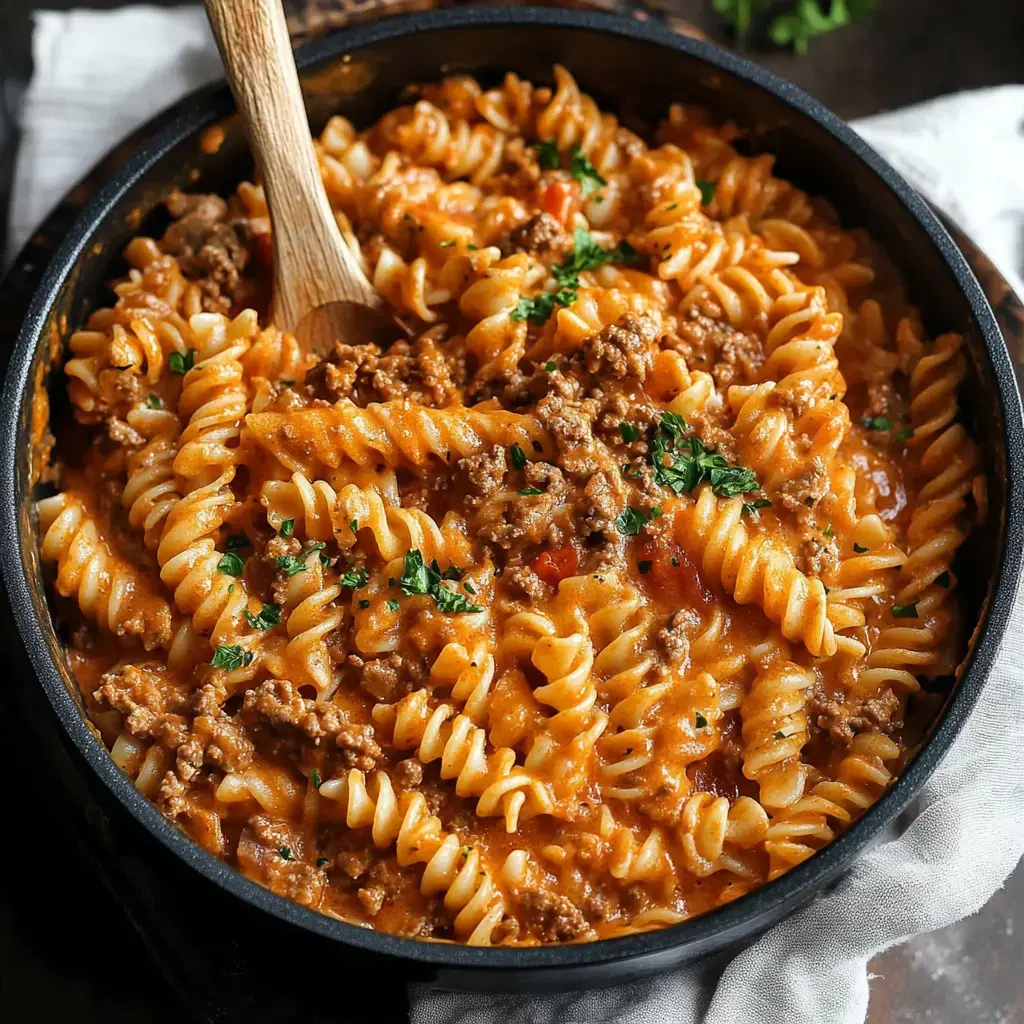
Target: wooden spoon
{"points": [[320, 291]]}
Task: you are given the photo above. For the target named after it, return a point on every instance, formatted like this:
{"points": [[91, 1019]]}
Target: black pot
{"points": [[634, 69]]}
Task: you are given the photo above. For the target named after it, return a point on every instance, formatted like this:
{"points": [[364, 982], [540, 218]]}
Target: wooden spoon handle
{"points": [[312, 263]]}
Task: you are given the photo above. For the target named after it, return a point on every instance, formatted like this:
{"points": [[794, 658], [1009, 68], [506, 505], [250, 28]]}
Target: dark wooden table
{"points": [[66, 950]]}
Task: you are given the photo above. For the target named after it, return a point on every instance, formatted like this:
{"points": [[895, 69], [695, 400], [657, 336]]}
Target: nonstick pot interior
{"points": [[635, 70]]}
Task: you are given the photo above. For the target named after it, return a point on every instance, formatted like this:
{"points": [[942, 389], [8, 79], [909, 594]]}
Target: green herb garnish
{"points": [[291, 564], [356, 578], [287, 528], [420, 578], [682, 463], [904, 611], [700, 721], [547, 155], [231, 564], [450, 601], [905, 434], [270, 615], [392, 605], [231, 657], [749, 507], [518, 456], [631, 521], [876, 423], [629, 432], [154, 402], [707, 191], [285, 853], [859, 548], [314, 777], [530, 492], [181, 364], [585, 173]]}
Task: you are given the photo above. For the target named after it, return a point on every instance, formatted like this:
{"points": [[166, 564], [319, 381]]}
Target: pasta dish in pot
{"points": [[609, 593]]}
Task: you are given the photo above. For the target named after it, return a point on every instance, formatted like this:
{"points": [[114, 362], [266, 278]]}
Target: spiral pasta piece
{"points": [[754, 570], [439, 734], [775, 732], [459, 872], [109, 590], [397, 433], [712, 830]]}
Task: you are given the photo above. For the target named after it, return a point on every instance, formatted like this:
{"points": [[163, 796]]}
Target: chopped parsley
{"points": [[681, 463], [859, 548], [631, 521], [356, 578], [585, 173], [353, 525], [645, 566], [904, 611], [827, 531], [707, 191], [181, 364], [780, 735], [270, 615], [469, 588], [287, 528], [750, 507], [547, 155], [453, 572], [550, 367], [530, 492], [364, 604], [420, 578], [284, 853], [154, 402], [448, 600], [231, 564], [231, 657], [700, 721], [518, 456], [674, 560], [237, 541], [291, 564], [321, 861], [905, 434], [586, 255], [314, 777], [876, 423], [943, 580], [629, 432], [392, 605]]}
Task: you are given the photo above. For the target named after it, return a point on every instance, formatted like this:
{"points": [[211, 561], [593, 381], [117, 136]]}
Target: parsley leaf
{"points": [[707, 191], [417, 577], [700, 721], [287, 528], [453, 572], [904, 611], [285, 853], [392, 605], [585, 173], [682, 463], [631, 521], [450, 601], [905, 434], [859, 548], [270, 615], [353, 525], [539, 308], [530, 492], [237, 541], [827, 532], [547, 155], [154, 402], [297, 563], [181, 364], [550, 367], [231, 657], [364, 604], [314, 777], [876, 423], [518, 456], [749, 507], [231, 564], [469, 587], [356, 578], [780, 735], [629, 432]]}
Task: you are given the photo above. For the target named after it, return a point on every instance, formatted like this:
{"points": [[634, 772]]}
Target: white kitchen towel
{"points": [[99, 74]]}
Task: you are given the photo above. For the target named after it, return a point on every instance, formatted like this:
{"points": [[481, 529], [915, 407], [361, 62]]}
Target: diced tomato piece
{"points": [[554, 566], [558, 200]]}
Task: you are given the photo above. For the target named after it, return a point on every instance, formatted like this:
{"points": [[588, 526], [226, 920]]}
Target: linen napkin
{"points": [[98, 75]]}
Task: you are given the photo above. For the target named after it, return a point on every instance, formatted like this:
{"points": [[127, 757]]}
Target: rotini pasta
{"points": [[591, 604]]}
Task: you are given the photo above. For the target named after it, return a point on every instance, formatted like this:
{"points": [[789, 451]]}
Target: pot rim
{"points": [[735, 919]]}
